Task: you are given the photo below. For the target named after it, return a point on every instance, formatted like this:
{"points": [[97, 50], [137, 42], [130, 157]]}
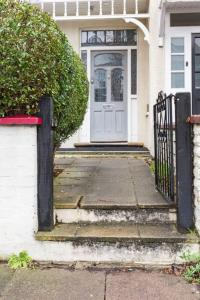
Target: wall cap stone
{"points": [[21, 120], [194, 119]]}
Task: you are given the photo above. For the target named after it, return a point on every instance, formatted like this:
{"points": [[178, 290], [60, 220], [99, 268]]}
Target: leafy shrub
{"points": [[23, 260], [36, 59]]}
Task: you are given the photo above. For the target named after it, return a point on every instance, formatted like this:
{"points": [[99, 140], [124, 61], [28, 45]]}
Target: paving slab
{"points": [[73, 189], [112, 232], [63, 160], [140, 285], [163, 232], [108, 232], [70, 181], [6, 275], [106, 193], [61, 232], [65, 200], [110, 183], [74, 174], [86, 162], [55, 284]]}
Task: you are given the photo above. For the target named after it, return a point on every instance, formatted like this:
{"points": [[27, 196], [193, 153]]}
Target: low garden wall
{"points": [[195, 120], [18, 183]]}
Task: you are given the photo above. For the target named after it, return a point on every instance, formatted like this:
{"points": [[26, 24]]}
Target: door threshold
{"points": [[114, 144]]}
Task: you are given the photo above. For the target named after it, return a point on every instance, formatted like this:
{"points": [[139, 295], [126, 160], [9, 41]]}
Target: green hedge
{"points": [[36, 59]]}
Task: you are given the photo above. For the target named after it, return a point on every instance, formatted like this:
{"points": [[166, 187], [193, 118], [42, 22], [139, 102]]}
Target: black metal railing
{"points": [[164, 139]]}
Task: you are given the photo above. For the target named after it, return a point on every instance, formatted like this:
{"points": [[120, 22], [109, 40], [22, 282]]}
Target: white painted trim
{"points": [[100, 17], [109, 48], [141, 26]]}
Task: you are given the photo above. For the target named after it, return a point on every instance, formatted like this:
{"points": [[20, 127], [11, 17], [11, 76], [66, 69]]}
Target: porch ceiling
{"points": [[93, 9]]}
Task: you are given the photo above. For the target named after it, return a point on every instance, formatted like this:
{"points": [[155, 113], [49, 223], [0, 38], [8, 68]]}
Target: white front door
{"points": [[109, 96]]}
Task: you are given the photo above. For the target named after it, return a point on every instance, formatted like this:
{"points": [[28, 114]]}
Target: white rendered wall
{"points": [[156, 65], [18, 187], [196, 182]]}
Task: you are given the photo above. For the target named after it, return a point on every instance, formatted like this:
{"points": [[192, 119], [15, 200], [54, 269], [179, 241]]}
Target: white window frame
{"points": [[186, 33]]}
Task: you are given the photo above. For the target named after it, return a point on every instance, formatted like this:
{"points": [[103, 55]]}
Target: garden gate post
{"points": [[184, 165], [45, 165]]}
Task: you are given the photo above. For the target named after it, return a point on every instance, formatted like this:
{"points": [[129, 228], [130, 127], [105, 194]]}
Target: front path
{"points": [[65, 284], [106, 182]]}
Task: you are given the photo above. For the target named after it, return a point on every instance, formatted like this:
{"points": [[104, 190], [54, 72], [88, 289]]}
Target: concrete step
{"points": [[151, 215], [143, 244]]}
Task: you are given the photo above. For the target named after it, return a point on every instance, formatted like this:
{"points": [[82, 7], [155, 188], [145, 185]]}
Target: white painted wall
{"points": [[18, 187], [196, 182], [156, 65]]}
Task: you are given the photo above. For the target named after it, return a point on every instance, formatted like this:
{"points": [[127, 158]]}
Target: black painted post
{"points": [[184, 165], [45, 165]]}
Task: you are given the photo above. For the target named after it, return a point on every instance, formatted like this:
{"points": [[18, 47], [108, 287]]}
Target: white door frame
{"points": [[132, 107]]}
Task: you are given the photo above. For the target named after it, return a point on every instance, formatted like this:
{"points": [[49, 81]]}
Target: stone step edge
{"points": [[63, 205], [73, 236], [104, 154]]}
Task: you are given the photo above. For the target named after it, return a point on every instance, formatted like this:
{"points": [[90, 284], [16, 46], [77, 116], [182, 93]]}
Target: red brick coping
{"points": [[20, 120], [194, 119]]}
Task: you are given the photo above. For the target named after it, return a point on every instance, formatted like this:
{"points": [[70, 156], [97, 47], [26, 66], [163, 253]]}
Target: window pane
{"points": [[197, 45], [131, 37], [84, 37], [197, 63], [84, 58], [177, 80], [100, 85], [100, 37], [177, 45], [133, 72], [109, 37], [197, 80], [117, 84], [177, 62], [92, 37], [108, 59]]}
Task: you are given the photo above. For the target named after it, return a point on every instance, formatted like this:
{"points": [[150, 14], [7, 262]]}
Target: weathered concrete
{"points": [[116, 232], [147, 286], [104, 284], [137, 215], [5, 277], [110, 183], [63, 200], [55, 284]]}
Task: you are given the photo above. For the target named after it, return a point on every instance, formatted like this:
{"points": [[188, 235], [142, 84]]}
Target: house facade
{"points": [[131, 49]]}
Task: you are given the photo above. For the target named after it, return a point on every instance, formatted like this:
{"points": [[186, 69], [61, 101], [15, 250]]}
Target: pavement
{"points": [[105, 182], [102, 284]]}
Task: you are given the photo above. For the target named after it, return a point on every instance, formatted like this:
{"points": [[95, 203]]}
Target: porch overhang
{"points": [[131, 11], [175, 6]]}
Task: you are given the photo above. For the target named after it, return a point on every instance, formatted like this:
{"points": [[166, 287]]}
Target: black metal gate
{"points": [[173, 154], [164, 138]]}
